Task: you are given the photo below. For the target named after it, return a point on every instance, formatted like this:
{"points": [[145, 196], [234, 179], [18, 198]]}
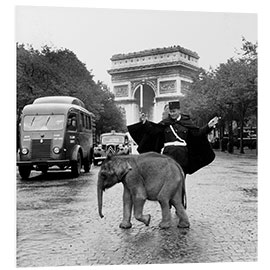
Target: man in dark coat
{"points": [[176, 136]]}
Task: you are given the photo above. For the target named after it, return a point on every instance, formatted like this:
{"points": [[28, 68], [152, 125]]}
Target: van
{"points": [[56, 131]]}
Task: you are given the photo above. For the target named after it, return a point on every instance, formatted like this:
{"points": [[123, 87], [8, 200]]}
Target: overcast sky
{"points": [[95, 34]]}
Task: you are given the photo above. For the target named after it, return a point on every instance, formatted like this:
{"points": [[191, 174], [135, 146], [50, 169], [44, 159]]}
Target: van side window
{"points": [[84, 120], [87, 122], [81, 119], [72, 122], [90, 122]]}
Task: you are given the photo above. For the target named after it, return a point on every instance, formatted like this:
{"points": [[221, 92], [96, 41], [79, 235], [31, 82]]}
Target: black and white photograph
{"points": [[136, 136]]}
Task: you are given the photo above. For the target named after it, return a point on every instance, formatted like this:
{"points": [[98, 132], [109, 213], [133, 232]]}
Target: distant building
{"points": [[147, 80]]}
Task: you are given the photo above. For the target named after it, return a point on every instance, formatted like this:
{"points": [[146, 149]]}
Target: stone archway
{"points": [[147, 80], [144, 97]]}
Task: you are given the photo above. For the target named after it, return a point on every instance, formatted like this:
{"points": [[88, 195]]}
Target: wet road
{"points": [[58, 222]]}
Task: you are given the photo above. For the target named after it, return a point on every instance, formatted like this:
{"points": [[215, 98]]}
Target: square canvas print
{"points": [[136, 137]]}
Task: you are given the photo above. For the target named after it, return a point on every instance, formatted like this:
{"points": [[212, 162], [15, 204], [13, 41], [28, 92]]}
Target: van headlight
{"points": [[25, 151], [56, 150]]}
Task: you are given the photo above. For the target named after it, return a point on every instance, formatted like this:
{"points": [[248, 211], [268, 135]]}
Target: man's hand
{"points": [[213, 122], [143, 117]]}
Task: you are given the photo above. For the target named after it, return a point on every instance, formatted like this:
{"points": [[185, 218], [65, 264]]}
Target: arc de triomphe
{"points": [[147, 80]]}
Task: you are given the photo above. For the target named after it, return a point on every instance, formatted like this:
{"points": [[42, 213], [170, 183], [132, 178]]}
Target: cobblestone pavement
{"points": [[58, 222]]}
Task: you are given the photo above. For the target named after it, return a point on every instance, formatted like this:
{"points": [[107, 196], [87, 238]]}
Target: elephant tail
{"points": [[184, 194]]}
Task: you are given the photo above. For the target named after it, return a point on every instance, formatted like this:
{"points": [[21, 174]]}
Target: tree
{"points": [[111, 117], [29, 68], [60, 72], [201, 101], [238, 89], [229, 91]]}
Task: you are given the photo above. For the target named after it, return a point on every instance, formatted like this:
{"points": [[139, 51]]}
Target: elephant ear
{"points": [[122, 169]]}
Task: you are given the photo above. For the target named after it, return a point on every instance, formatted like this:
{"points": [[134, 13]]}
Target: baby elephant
{"points": [[149, 176]]}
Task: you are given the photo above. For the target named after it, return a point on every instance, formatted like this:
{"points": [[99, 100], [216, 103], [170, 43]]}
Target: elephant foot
{"points": [[144, 218], [125, 225], [183, 224], [165, 224]]}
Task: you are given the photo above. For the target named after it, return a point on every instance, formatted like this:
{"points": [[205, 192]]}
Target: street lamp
{"points": [[141, 95]]}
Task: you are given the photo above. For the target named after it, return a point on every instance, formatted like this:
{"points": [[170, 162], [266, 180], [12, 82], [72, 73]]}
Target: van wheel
{"points": [[76, 166], [24, 172], [86, 165]]}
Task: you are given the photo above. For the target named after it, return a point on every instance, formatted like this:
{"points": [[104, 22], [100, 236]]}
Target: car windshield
{"points": [[112, 139], [43, 122]]}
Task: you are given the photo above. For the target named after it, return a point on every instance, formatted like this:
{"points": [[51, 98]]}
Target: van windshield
{"points": [[43, 122]]}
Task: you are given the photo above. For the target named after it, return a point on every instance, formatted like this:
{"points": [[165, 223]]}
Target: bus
{"points": [[55, 132]]}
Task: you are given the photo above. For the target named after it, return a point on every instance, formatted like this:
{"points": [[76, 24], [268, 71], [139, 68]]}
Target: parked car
{"points": [[110, 144]]}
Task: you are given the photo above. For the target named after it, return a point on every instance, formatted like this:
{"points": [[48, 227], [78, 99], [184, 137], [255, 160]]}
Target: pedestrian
{"points": [[176, 136]]}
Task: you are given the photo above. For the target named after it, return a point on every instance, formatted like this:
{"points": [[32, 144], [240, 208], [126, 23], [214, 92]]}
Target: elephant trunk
{"points": [[100, 198]]}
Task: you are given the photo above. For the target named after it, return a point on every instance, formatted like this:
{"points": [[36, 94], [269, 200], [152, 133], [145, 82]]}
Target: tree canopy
{"points": [[231, 84], [229, 91], [52, 72]]}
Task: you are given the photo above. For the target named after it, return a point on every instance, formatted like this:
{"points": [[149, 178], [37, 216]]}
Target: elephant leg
{"points": [[164, 200], [180, 210], [166, 213], [138, 210], [127, 208]]}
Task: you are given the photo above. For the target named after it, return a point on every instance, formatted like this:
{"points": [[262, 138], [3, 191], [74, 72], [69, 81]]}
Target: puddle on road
{"points": [[161, 246]]}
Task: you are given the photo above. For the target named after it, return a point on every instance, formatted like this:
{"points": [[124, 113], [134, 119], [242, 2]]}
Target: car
{"points": [[110, 144]]}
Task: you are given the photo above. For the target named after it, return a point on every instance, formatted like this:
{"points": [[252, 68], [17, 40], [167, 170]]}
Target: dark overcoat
{"points": [[150, 137]]}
